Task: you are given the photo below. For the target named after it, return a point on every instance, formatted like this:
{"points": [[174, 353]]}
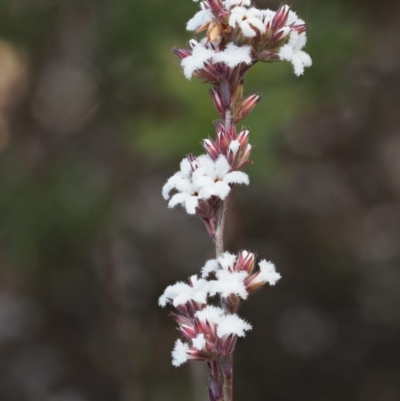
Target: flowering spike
{"points": [[237, 35]]}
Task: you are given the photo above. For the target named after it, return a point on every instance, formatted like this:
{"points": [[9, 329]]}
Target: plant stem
{"points": [[219, 234], [225, 365]]}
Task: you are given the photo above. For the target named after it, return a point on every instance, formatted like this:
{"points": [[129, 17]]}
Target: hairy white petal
{"points": [[222, 189], [179, 353], [232, 324], [199, 342], [210, 266], [191, 204], [256, 23], [207, 192], [237, 177], [286, 53], [202, 181], [196, 60], [222, 166], [305, 58], [234, 146], [171, 292], [179, 198], [233, 55], [210, 313], [228, 283], [184, 185], [170, 184], [227, 260], [247, 30], [292, 18], [268, 274], [186, 167], [199, 19]]}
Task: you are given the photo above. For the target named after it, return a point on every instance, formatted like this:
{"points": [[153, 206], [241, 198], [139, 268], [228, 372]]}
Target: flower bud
{"points": [[300, 28], [181, 53], [245, 262], [268, 56], [217, 100], [246, 107], [211, 148], [281, 34], [280, 17]]}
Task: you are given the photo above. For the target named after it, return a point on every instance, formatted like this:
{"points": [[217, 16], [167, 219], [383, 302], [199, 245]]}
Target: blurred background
{"points": [[95, 115]]}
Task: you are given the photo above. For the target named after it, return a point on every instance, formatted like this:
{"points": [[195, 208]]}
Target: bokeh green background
{"points": [[95, 115]]}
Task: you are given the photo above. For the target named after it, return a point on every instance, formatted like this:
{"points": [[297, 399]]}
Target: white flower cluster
{"points": [[200, 179], [250, 22], [181, 293], [224, 325], [292, 52], [227, 282], [232, 56]]}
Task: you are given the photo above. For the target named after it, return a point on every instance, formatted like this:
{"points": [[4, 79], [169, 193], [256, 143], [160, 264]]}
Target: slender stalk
{"points": [[226, 367], [225, 364], [219, 234]]}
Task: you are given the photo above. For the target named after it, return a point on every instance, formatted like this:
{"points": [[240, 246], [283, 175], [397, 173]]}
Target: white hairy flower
{"points": [[200, 54], [292, 52], [199, 342], [232, 325], [228, 283], [210, 266], [227, 260], [181, 293], [233, 55], [200, 18], [267, 274], [211, 314], [249, 20], [202, 179], [179, 353], [203, 52]]}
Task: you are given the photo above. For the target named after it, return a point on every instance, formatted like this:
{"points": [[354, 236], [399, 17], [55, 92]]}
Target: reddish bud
{"points": [[268, 56], [245, 262], [253, 284], [181, 53], [217, 100], [216, 6], [211, 148], [246, 107], [268, 29], [223, 143], [249, 103], [281, 34], [280, 17], [243, 138], [300, 28]]}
